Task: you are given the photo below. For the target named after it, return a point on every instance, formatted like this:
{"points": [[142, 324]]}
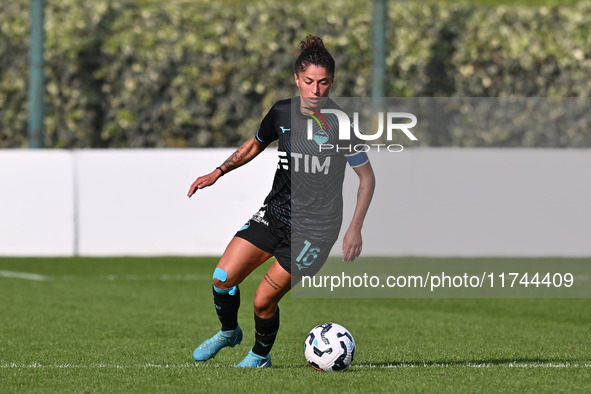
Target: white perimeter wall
{"points": [[428, 202]]}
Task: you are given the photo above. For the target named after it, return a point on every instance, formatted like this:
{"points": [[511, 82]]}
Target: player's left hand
{"points": [[204, 181], [352, 244]]}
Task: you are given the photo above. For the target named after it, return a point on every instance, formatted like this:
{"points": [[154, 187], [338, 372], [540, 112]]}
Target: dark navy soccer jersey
{"points": [[307, 188]]}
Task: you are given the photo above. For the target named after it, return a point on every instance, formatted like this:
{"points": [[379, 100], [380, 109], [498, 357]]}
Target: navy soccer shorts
{"points": [[298, 254]]}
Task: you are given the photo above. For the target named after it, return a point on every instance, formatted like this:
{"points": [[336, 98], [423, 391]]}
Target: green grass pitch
{"points": [[130, 325]]}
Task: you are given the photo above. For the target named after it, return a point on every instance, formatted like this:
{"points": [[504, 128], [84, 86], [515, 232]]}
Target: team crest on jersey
{"points": [[320, 136]]}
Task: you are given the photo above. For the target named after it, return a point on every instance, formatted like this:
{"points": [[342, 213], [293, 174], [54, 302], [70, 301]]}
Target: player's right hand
{"points": [[204, 181]]}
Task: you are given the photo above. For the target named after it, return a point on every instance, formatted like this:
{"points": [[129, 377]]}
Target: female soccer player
{"points": [[301, 217]]}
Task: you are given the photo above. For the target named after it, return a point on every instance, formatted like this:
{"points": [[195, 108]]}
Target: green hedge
{"points": [[186, 73]]}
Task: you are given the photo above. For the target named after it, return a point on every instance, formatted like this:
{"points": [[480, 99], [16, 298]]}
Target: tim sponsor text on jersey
{"points": [[301, 162]]}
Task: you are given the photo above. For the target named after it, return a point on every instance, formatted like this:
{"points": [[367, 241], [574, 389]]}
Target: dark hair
{"points": [[314, 52]]}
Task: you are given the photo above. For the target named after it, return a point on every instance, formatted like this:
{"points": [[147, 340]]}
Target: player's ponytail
{"points": [[314, 52]]}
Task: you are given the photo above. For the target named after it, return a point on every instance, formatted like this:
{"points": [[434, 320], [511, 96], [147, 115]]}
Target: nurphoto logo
{"points": [[393, 120]]}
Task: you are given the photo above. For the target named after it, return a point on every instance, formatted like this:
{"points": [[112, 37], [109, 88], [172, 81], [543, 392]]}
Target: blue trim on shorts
{"points": [[357, 159]]}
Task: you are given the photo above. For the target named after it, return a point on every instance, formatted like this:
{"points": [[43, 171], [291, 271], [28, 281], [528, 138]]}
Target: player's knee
{"points": [[264, 307], [221, 284], [218, 284]]}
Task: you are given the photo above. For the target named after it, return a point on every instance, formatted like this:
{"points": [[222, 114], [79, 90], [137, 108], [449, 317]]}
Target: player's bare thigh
{"points": [[239, 259]]}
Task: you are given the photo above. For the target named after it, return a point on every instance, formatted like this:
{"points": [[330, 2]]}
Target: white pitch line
{"points": [[106, 277], [109, 366], [162, 277], [94, 366], [355, 366], [23, 275], [111, 277], [477, 365]]}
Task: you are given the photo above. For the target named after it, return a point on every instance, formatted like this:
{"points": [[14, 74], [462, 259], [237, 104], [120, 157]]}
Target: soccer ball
{"points": [[329, 347]]}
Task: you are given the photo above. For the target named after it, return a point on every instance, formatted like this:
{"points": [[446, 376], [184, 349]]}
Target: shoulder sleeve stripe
{"points": [[357, 159], [259, 138]]}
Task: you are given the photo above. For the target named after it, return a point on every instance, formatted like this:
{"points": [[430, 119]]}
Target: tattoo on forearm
{"points": [[359, 191], [271, 282], [232, 161]]}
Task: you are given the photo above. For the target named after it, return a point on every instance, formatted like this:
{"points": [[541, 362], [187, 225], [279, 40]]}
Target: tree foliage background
{"points": [[182, 73]]}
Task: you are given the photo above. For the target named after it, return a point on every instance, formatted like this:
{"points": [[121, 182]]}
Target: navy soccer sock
{"points": [[226, 306], [265, 333]]}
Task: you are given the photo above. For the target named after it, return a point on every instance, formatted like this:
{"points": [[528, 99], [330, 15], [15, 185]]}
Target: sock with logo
{"points": [[265, 333], [226, 305]]}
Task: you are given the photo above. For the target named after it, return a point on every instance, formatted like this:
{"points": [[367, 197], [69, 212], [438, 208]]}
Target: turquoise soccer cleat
{"points": [[255, 361], [209, 348]]}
